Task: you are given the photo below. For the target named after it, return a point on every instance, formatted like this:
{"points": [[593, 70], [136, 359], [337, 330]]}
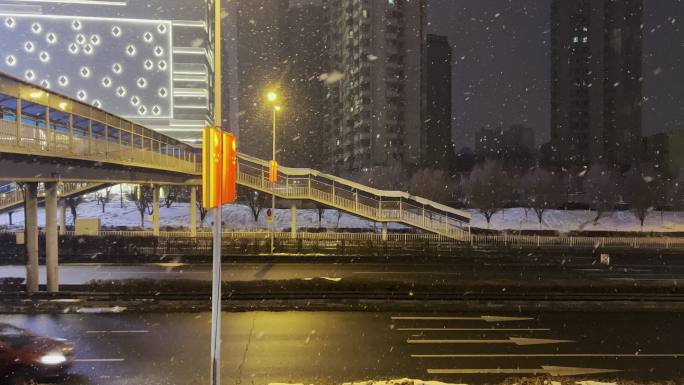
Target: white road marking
{"points": [[511, 340], [407, 272], [554, 371], [569, 355], [99, 360], [473, 329], [485, 318], [116, 331]]}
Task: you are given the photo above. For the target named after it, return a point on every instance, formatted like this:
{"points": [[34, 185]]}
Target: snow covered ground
{"points": [[239, 217], [235, 217], [583, 220]]}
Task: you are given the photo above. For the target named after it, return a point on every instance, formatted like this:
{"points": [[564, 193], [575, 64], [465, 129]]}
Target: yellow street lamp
{"points": [[272, 98]]}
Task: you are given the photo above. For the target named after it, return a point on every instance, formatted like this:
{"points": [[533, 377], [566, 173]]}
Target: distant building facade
{"points": [[596, 94], [134, 59], [375, 93], [437, 149]]}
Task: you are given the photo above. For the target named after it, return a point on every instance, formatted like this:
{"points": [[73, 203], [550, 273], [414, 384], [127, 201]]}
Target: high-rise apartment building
{"points": [[376, 91], [596, 101], [437, 147]]}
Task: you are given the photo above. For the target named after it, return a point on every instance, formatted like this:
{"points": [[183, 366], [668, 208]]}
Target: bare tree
{"points": [[542, 190], [141, 196], [255, 200], [173, 194], [640, 193], [431, 184], [72, 202], [601, 185], [202, 210], [104, 197], [489, 188], [321, 213]]}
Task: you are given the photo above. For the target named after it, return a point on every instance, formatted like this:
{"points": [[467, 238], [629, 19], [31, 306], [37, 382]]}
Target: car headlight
{"points": [[53, 359]]}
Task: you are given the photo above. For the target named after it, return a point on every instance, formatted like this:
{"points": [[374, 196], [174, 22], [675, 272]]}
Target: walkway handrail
{"points": [[307, 172], [357, 199]]}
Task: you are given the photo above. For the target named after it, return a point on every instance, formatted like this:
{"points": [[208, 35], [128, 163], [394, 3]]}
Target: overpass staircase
{"points": [[354, 198]]}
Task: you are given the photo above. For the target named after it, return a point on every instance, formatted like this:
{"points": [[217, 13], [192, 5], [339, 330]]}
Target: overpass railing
{"points": [[355, 198], [36, 121], [15, 197]]}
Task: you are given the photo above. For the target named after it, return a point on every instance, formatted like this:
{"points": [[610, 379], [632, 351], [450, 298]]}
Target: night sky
{"points": [[502, 65], [501, 60]]}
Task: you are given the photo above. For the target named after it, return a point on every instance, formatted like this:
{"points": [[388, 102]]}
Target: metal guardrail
{"points": [[501, 241]]}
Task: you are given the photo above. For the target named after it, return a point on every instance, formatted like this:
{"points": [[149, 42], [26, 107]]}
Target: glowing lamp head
{"points": [[271, 96]]}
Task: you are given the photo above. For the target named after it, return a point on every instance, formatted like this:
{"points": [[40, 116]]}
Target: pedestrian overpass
{"points": [[47, 137], [71, 147]]}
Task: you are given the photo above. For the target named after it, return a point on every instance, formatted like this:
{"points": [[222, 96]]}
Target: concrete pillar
{"points": [[293, 224], [51, 241], [61, 210], [31, 235], [193, 211], [384, 231], [10, 217], [155, 210]]}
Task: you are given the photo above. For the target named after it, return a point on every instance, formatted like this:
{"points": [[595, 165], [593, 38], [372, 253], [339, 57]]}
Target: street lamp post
{"points": [[272, 97]]}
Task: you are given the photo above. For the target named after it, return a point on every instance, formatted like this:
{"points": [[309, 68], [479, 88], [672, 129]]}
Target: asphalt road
{"points": [[404, 271], [337, 347]]}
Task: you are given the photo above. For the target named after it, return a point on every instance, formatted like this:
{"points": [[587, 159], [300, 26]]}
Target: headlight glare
{"points": [[53, 359]]}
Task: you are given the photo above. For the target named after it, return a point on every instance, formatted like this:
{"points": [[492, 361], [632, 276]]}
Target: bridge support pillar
{"points": [[51, 241], [155, 210], [31, 235], [62, 217], [384, 231], [193, 211], [293, 224]]}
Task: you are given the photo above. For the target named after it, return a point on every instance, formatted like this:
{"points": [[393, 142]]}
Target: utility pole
{"points": [[216, 266]]}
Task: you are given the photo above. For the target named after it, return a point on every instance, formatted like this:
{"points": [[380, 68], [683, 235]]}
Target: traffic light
{"points": [[219, 167], [273, 171]]}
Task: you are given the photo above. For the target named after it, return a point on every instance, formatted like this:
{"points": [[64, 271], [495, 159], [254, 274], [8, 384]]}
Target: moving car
{"points": [[25, 356]]}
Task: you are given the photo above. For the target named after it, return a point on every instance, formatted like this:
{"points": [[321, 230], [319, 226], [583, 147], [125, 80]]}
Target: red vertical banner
{"points": [[229, 177], [211, 167], [273, 171]]}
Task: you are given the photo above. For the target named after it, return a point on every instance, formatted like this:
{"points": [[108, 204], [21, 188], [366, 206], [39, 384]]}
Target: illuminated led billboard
{"points": [[121, 65]]}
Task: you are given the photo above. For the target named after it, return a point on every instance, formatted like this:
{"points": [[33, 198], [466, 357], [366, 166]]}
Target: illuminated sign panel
{"points": [[121, 65]]}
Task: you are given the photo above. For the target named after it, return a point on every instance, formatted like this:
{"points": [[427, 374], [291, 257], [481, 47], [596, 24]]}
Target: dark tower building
{"points": [[596, 96], [437, 147]]}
